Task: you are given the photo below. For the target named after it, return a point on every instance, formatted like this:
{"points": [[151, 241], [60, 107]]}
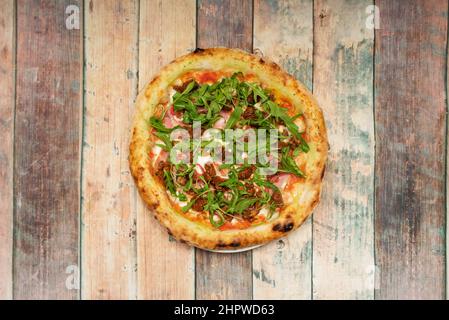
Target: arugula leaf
{"points": [[288, 164], [167, 146], [188, 206], [244, 204], [169, 183], [157, 124], [234, 117], [280, 114], [216, 224]]}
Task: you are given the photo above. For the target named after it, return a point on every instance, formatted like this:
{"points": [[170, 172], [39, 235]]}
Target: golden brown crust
{"points": [[305, 194]]}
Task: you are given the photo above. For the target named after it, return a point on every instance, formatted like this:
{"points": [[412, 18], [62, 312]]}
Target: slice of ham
{"points": [[221, 123], [280, 180], [157, 154], [170, 119]]}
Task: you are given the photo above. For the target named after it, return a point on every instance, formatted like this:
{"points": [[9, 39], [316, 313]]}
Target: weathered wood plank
{"points": [[410, 136], [224, 23], [47, 150], [283, 269], [167, 30], [109, 199], [447, 173], [7, 104], [343, 230]]}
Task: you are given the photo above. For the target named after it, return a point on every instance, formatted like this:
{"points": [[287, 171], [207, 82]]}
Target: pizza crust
{"points": [[305, 194]]}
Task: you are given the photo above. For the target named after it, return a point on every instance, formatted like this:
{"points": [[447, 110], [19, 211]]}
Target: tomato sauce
{"points": [[208, 77], [241, 224], [292, 181]]}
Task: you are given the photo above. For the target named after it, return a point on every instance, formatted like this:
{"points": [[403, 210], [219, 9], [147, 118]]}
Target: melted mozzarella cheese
{"points": [[156, 150], [301, 124], [177, 201], [264, 212], [171, 93]]}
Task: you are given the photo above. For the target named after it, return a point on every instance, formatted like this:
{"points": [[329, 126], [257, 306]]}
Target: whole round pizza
{"points": [[228, 149]]}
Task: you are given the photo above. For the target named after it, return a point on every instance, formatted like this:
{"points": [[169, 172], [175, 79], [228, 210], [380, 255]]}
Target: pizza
{"points": [[227, 149]]}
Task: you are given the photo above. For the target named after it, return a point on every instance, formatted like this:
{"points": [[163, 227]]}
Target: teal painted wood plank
{"points": [[283, 268], [343, 225]]}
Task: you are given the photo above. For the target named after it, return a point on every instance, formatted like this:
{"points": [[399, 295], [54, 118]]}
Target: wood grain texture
{"points": [[343, 228], [283, 269], [7, 89], [224, 23], [167, 30], [410, 136], [47, 151], [109, 198]]}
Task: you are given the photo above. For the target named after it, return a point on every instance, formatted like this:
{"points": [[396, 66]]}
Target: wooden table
{"points": [[71, 223]]}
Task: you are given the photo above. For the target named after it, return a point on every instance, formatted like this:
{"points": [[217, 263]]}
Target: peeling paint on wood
{"points": [[166, 269], [47, 151], [6, 145], [343, 230], [109, 198], [283, 269], [410, 135]]}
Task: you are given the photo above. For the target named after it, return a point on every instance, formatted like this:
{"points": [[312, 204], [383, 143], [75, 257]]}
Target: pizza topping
{"points": [[220, 191]]}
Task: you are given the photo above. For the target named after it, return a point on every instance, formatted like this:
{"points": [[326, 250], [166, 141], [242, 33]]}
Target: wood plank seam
{"points": [[83, 138], [14, 147], [7, 127], [447, 159], [136, 195], [376, 269]]}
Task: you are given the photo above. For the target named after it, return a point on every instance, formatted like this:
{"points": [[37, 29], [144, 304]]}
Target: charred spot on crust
{"points": [[221, 244], [276, 67], [286, 227], [261, 60], [289, 226], [198, 50], [235, 244], [314, 202], [322, 173]]}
